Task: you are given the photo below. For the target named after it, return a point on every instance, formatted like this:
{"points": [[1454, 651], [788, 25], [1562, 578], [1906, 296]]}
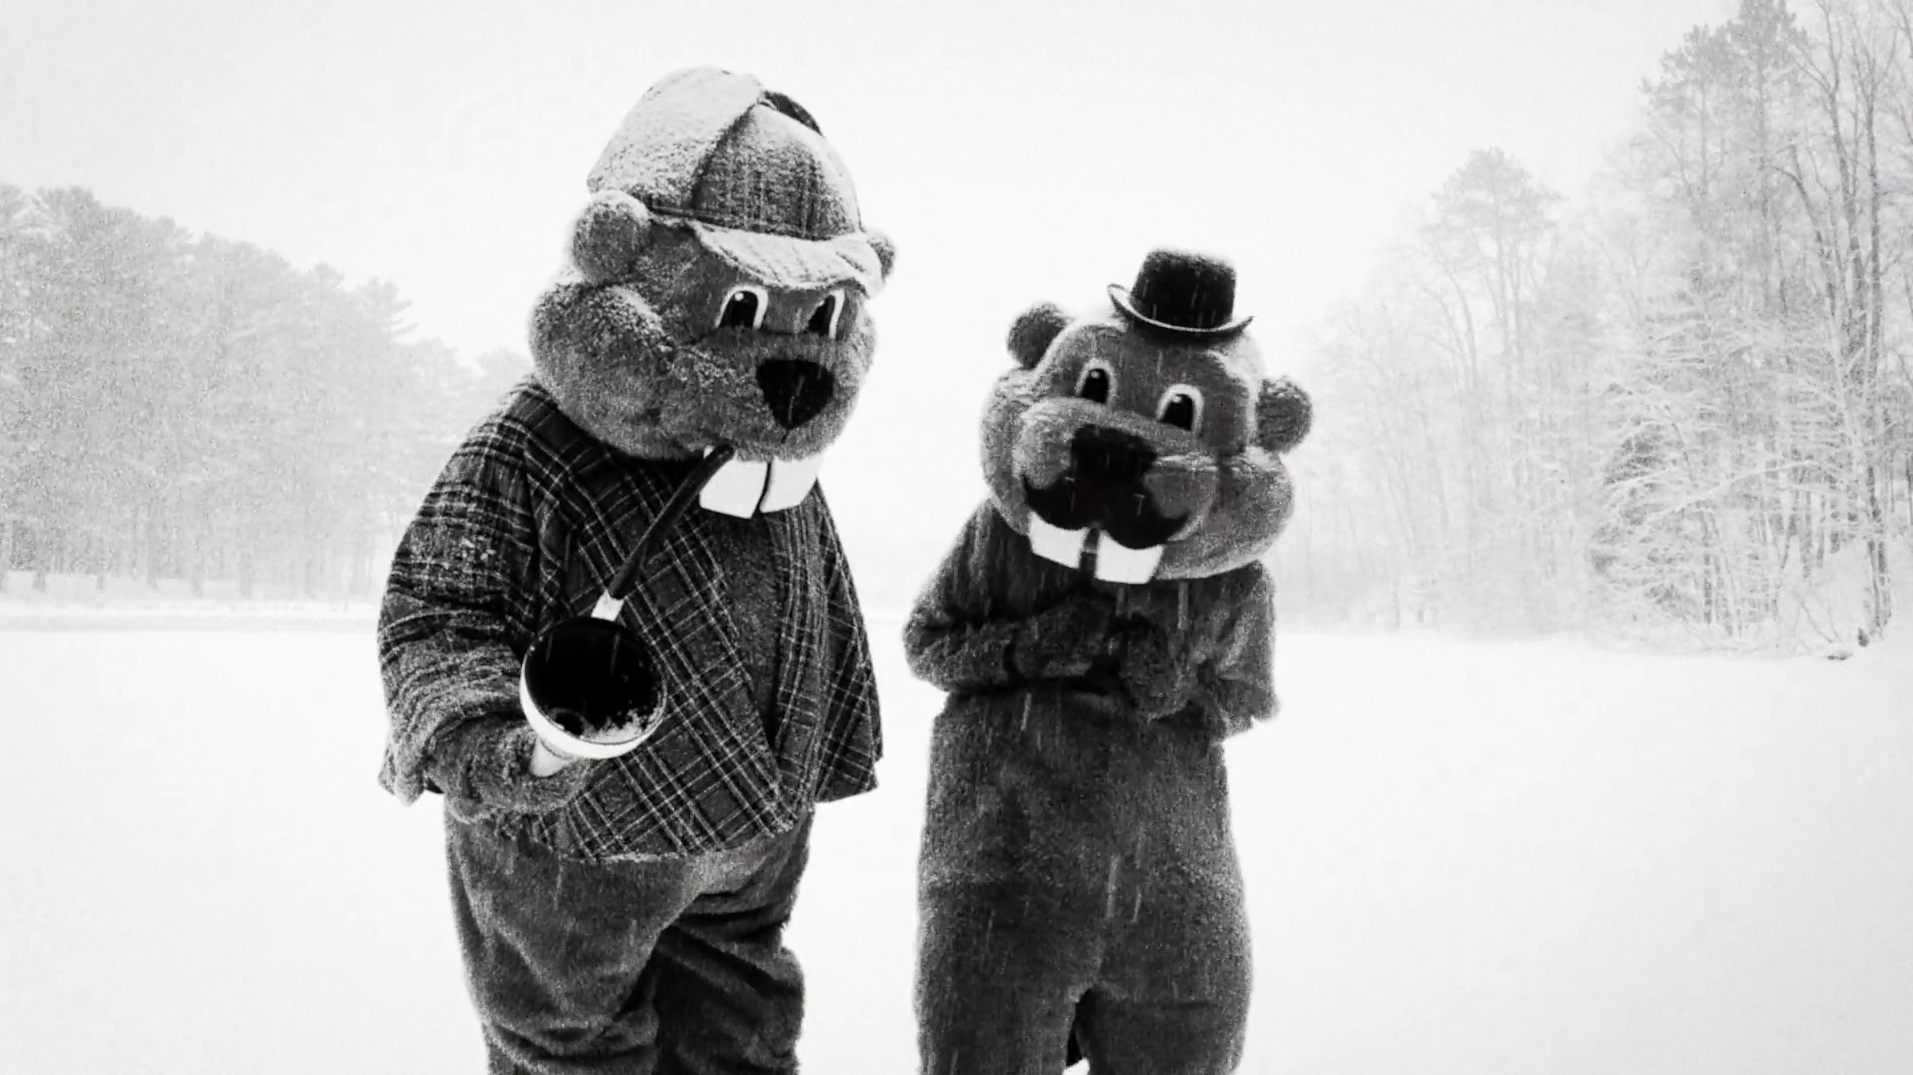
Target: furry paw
{"points": [[1155, 670], [1065, 640], [487, 763]]}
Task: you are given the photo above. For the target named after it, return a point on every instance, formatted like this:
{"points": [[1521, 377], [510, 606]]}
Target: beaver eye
{"points": [[743, 307], [823, 320], [1096, 382], [1181, 405]]}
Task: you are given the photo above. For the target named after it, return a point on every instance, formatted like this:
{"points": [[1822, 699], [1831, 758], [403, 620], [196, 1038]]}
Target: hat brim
{"points": [[1119, 295], [798, 264]]}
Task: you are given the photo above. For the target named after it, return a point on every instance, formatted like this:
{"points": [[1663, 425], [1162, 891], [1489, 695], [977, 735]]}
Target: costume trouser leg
{"points": [[1002, 982], [1162, 1037], [998, 977], [1173, 997], [666, 967]]}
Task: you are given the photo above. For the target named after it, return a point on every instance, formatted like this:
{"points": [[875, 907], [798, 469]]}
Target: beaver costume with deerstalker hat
{"points": [[1101, 626], [626, 913]]}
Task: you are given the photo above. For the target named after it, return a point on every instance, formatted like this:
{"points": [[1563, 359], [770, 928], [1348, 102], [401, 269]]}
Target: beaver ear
{"points": [[1033, 331], [609, 235], [886, 250], [1283, 415]]}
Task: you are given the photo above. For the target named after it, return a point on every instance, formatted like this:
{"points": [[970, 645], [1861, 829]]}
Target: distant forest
{"points": [[186, 407], [1678, 406]]}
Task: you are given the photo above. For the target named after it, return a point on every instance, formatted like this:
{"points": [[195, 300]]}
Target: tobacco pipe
{"points": [[589, 685]]}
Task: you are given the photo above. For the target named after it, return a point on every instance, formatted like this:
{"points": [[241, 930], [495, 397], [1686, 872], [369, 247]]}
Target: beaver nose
{"points": [[796, 390], [1104, 456]]}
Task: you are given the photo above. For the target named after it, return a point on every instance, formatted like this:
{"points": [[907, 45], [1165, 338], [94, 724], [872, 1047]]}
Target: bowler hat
{"points": [[1181, 293]]}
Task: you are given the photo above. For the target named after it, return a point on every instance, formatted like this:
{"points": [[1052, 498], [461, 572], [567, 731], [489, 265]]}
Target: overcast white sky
{"points": [[1015, 151]]}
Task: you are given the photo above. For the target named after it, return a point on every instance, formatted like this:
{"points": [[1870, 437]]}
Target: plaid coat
{"points": [[529, 519]]}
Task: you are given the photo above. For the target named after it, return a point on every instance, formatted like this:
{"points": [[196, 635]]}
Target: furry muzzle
{"points": [[1102, 491], [794, 391], [780, 407]]}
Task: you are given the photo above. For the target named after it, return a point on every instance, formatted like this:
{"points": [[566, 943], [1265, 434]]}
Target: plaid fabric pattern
{"points": [[529, 518]]}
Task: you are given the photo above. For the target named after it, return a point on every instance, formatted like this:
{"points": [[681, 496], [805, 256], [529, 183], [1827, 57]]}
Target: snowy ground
{"points": [[1462, 858]]}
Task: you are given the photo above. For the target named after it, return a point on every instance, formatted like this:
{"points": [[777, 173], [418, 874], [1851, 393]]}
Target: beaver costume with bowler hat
{"points": [[1102, 624]]}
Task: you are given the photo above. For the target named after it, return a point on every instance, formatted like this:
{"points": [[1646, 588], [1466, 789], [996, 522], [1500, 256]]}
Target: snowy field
{"points": [[1462, 858]]}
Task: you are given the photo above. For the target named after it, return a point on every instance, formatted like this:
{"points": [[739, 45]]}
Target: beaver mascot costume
{"points": [[1101, 626], [627, 914]]}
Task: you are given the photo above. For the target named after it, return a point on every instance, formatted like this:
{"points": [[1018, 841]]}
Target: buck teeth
{"points": [[744, 488], [1116, 562], [1055, 543], [736, 488], [790, 482]]}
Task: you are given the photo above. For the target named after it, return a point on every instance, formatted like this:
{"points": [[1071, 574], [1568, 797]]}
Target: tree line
{"points": [[1681, 404], [1678, 404], [189, 407]]}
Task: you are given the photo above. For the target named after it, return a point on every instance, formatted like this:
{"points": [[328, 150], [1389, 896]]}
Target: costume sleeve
{"points": [[455, 614], [1237, 688], [951, 640]]}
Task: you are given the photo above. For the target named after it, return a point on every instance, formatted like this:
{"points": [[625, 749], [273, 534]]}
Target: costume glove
{"points": [[1155, 670], [487, 763], [1064, 640]]}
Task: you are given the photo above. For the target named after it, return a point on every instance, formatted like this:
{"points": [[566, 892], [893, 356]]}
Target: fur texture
{"points": [[629, 340], [717, 281], [479, 765], [714, 294], [1077, 868], [1225, 480], [1078, 880]]}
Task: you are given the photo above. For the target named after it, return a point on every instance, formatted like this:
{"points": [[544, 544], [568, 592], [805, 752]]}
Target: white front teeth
{"points": [[790, 483], [744, 488], [1116, 562], [1054, 543], [736, 488]]}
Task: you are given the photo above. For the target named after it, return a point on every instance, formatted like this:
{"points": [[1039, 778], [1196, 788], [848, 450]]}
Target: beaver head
{"points": [[1143, 441], [717, 290]]}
